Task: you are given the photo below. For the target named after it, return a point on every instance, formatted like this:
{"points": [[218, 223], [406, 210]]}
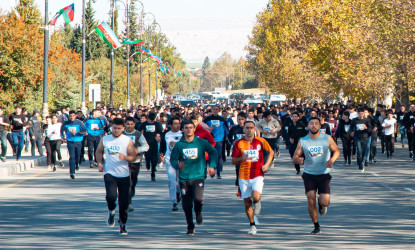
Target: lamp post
{"points": [[155, 24], [149, 47], [45, 111], [83, 107]]}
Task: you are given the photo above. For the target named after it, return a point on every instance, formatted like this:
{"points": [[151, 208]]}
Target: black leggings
{"points": [[55, 146], [347, 147], [192, 193], [134, 171], [112, 184], [151, 159], [390, 141]]}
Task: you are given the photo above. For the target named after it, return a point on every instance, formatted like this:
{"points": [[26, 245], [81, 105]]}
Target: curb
{"points": [[21, 166]]}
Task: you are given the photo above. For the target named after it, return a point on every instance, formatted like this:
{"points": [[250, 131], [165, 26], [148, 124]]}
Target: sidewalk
{"points": [[26, 162]]}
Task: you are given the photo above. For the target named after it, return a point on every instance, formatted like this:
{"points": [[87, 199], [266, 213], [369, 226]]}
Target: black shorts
{"points": [[317, 182]]}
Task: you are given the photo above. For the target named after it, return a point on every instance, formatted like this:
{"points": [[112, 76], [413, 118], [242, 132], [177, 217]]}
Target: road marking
{"points": [[24, 179], [409, 189], [374, 174]]}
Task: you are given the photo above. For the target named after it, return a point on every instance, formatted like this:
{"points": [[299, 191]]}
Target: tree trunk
{"points": [[401, 87]]}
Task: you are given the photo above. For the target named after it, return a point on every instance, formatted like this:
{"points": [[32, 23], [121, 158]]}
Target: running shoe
{"points": [[130, 208], [3, 159], [298, 172], [123, 230], [111, 219], [54, 168], [257, 208], [366, 164], [77, 167], [252, 230], [175, 207], [199, 218], [361, 170], [50, 168], [91, 165], [278, 153], [191, 232], [322, 210], [61, 164], [219, 177], [153, 178], [316, 231], [72, 176]]}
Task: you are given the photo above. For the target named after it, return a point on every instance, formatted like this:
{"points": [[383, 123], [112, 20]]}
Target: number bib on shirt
{"points": [[132, 137], [253, 155], [331, 125], [70, 129], [215, 123], [323, 131], [401, 117], [360, 127], [239, 136], [190, 153], [267, 129], [315, 151], [114, 150], [347, 128], [150, 128], [94, 126]]}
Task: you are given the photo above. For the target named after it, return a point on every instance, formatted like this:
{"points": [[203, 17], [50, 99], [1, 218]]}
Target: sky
{"points": [[198, 28]]}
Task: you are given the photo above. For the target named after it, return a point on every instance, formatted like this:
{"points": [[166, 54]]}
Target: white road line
{"points": [[374, 174], [409, 189]]}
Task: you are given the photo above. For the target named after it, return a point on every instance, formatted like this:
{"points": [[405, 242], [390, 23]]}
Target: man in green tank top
{"points": [[314, 152]]}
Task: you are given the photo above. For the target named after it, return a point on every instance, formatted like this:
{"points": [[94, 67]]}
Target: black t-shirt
{"points": [[3, 119], [150, 130], [18, 122], [358, 128]]}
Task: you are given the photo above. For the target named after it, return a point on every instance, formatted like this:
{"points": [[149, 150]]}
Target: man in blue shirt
{"points": [[95, 127], [73, 132]]}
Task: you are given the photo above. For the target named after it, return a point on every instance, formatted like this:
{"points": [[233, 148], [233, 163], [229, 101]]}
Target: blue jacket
{"points": [[220, 127], [99, 123], [76, 125]]}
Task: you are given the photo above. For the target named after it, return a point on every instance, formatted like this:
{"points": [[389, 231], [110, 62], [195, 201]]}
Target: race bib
{"points": [[164, 126], [286, 128], [70, 129], [114, 150], [401, 117], [331, 125], [360, 127], [267, 129], [215, 123], [411, 117], [94, 126], [346, 128], [253, 155], [171, 145], [323, 131], [151, 128], [190, 153], [315, 151], [239, 136]]}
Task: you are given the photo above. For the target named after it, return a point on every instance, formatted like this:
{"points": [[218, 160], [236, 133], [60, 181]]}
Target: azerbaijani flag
{"points": [[180, 74], [68, 14], [107, 35], [136, 42]]}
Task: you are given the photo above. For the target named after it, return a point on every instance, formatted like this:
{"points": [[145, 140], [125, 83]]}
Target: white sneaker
{"points": [[252, 230], [50, 168], [256, 220]]}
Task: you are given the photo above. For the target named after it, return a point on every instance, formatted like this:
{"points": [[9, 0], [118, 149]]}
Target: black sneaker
{"points": [[123, 230], [130, 208], [175, 207], [388, 155], [61, 164], [219, 177], [3, 159], [375, 161], [298, 172], [410, 155], [345, 162], [91, 165], [199, 218], [153, 178], [111, 219], [212, 176], [54, 168], [316, 231], [77, 167], [322, 210], [72, 176], [366, 164], [191, 232]]}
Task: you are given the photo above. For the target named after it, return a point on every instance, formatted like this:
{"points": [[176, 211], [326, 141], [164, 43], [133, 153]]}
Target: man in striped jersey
{"points": [[254, 155]]}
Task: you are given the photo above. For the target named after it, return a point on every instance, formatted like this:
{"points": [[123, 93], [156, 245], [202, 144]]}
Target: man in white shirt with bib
{"points": [[119, 151]]}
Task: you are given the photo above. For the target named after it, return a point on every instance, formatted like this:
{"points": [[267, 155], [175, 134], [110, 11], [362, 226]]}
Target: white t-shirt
{"points": [[171, 139], [391, 129], [353, 115], [112, 147]]}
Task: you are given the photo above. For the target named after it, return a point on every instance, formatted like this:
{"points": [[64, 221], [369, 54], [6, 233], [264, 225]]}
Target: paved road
{"points": [[373, 210]]}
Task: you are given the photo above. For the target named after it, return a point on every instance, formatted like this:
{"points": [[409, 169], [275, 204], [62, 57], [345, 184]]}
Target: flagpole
{"points": [[83, 106], [112, 55], [128, 54], [45, 111]]}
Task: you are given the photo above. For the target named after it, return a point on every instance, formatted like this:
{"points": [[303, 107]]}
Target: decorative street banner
{"points": [[68, 14], [107, 35]]}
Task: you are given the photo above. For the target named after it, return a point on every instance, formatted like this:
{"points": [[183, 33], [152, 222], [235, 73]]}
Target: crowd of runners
{"points": [[192, 142]]}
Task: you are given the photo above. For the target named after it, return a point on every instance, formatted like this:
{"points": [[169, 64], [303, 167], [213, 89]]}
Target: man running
{"points": [[141, 147], [168, 140], [188, 156], [316, 147], [119, 151], [254, 155]]}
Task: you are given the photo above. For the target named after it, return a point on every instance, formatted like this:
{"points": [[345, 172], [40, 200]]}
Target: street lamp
{"points": [[153, 18], [45, 111], [155, 24]]}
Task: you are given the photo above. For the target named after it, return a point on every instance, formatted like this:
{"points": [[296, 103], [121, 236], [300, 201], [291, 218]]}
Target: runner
{"points": [[390, 126], [317, 167], [119, 151], [237, 133], [4, 123], [269, 128], [95, 127], [296, 131], [168, 140], [188, 156], [141, 146], [361, 129], [73, 132], [254, 155]]}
